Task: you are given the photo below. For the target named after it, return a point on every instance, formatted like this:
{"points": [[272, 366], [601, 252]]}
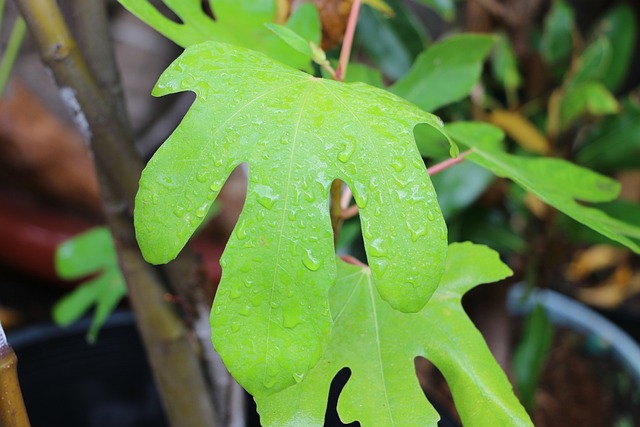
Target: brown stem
{"points": [[12, 410], [336, 208], [91, 25], [170, 346]]}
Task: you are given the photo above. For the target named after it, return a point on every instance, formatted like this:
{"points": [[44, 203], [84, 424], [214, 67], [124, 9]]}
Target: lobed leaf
{"points": [[297, 133], [557, 182], [89, 253], [239, 23], [446, 72], [379, 344]]}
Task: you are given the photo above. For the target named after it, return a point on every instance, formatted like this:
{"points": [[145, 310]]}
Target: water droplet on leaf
{"points": [[310, 261]]}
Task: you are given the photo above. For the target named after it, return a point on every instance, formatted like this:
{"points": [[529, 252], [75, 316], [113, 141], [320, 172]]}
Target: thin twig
{"points": [[335, 208], [439, 167], [347, 43]]}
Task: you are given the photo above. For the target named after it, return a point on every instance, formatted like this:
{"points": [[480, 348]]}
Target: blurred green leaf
{"points": [[622, 210], [505, 64], [557, 36], [445, 8], [620, 27], [593, 64], [486, 226], [531, 353], [379, 345], [557, 182], [460, 186], [614, 143], [291, 38], [365, 74], [446, 72], [393, 43], [89, 253], [586, 98]]}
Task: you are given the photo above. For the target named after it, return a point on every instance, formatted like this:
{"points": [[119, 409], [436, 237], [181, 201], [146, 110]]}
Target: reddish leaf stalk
{"points": [[347, 43], [439, 167]]}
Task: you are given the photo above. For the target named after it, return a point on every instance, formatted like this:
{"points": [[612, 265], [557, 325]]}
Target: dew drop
{"points": [[298, 377], [347, 152], [245, 311], [235, 326], [179, 211], [241, 232], [216, 186], [416, 233], [201, 176], [235, 293], [292, 318], [218, 162], [202, 210], [310, 261], [430, 215], [275, 304], [398, 165]]}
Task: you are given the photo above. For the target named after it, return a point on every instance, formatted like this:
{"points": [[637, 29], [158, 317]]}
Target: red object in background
{"points": [[30, 234]]}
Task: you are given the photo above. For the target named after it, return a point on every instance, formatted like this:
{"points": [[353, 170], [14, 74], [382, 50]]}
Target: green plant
{"points": [[289, 314], [271, 319]]}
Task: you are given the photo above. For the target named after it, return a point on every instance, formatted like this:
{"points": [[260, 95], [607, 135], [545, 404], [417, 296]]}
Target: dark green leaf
{"points": [[446, 72], [445, 8], [505, 64], [459, 186], [394, 43], [557, 37], [613, 144], [297, 133], [531, 354], [379, 345], [620, 27]]}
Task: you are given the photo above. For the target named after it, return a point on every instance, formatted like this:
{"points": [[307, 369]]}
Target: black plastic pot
{"points": [[69, 383]]}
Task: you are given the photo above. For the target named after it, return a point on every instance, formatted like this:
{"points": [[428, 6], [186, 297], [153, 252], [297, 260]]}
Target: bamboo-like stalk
{"points": [[91, 26], [171, 348], [12, 410]]}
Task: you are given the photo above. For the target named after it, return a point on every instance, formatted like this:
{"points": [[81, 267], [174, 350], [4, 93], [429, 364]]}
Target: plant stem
{"points": [[12, 410], [169, 344], [91, 26], [11, 52], [439, 167], [347, 42], [336, 208]]}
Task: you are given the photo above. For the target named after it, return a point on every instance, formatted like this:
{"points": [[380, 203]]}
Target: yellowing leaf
{"points": [[520, 130]]}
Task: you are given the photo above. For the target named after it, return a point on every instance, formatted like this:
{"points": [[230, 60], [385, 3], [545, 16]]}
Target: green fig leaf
{"points": [[557, 182], [91, 253], [446, 72], [239, 23], [297, 133], [379, 344]]}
